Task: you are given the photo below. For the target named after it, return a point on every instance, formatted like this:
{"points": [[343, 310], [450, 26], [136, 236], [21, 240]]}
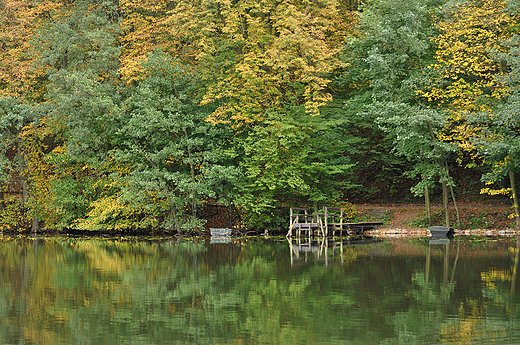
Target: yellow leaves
{"points": [[101, 210], [490, 191], [38, 172], [495, 275], [19, 22], [255, 55], [262, 55], [109, 213], [469, 75], [469, 37], [143, 34]]}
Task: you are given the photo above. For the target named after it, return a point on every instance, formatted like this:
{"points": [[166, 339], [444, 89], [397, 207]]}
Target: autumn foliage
{"points": [[134, 114]]}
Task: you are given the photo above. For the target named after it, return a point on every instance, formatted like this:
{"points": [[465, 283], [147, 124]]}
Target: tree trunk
{"points": [[445, 202], [443, 165], [35, 225], [515, 199], [192, 170], [456, 207], [452, 196], [25, 196], [515, 269], [427, 204], [25, 191]]}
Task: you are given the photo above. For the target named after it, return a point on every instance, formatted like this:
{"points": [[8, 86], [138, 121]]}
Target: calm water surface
{"points": [[66, 290]]}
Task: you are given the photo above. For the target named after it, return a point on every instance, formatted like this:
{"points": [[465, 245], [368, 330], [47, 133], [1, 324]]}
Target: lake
{"points": [[73, 290]]}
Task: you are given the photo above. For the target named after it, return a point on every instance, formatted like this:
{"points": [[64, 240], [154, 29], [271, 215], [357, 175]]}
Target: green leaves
{"points": [[120, 136], [395, 44], [500, 140], [174, 153], [14, 115], [293, 158], [393, 53]]}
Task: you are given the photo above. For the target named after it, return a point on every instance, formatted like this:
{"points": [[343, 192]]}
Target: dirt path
{"points": [[409, 216]]}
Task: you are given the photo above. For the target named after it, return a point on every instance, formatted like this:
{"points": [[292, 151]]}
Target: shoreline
{"points": [[419, 232]]}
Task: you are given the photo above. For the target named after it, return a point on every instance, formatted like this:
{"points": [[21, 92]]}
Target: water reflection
{"points": [[265, 291], [323, 248]]}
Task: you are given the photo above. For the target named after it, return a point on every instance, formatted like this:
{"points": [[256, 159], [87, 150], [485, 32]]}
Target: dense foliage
{"points": [[119, 115]]}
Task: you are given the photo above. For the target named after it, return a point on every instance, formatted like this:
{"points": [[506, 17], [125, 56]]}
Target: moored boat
{"points": [[221, 231], [440, 234]]}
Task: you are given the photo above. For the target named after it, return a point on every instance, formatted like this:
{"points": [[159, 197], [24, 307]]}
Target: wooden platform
{"points": [[330, 221]]}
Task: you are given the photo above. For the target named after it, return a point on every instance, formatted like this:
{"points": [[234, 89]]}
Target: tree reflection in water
{"points": [[72, 290]]}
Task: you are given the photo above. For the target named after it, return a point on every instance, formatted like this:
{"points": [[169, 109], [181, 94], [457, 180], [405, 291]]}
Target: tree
{"points": [[389, 63], [471, 35], [20, 75], [499, 141], [174, 155], [262, 64], [143, 33], [135, 155], [16, 152], [295, 158], [261, 56], [77, 47]]}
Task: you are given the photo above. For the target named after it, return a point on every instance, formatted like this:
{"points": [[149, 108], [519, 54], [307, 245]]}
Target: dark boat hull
{"points": [[220, 231], [440, 234]]}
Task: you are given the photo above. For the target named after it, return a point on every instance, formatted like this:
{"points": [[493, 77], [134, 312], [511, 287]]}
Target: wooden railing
{"points": [[328, 219]]}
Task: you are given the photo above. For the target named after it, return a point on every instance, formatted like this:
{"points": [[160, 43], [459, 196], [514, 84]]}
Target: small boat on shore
{"points": [[221, 231], [440, 234]]}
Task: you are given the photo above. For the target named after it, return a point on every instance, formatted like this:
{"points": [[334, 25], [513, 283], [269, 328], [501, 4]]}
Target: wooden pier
{"points": [[330, 220]]}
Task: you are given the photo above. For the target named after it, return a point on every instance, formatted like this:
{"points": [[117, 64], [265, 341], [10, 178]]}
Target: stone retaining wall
{"points": [[424, 232]]}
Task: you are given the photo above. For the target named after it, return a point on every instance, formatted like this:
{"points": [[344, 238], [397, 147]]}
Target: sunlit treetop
{"points": [[19, 22], [259, 55], [143, 32], [468, 68], [472, 34]]}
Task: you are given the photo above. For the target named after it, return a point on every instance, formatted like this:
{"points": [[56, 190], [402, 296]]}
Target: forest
{"points": [[135, 115]]}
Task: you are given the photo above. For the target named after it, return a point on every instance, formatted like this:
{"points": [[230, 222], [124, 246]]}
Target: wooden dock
{"points": [[330, 221]]}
